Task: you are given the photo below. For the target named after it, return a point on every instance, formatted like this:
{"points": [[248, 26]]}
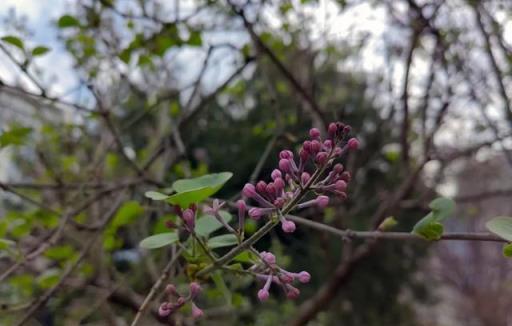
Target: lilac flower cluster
{"points": [[291, 181], [167, 307], [270, 273]]}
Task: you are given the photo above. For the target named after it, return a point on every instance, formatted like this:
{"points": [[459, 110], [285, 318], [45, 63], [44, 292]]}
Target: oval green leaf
{"points": [[159, 240], [213, 181], [225, 240], [507, 250], [155, 195], [501, 226], [39, 50], [207, 224], [67, 21], [13, 40]]}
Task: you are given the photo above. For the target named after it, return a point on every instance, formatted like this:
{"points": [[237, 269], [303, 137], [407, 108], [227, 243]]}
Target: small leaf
{"points": [[214, 181], [60, 253], [39, 50], [221, 286], [429, 227], [6, 243], [442, 207], [388, 223], [501, 226], [67, 21], [225, 240], [16, 136], [159, 240], [209, 224], [507, 250], [127, 213], [13, 40], [245, 257], [155, 195]]}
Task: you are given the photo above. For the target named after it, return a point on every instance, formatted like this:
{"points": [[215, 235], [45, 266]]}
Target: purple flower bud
{"points": [[322, 201], [304, 155], [268, 257], [279, 184], [353, 144], [292, 292], [279, 202], [271, 190], [261, 187], [347, 129], [304, 178], [196, 312], [276, 174], [285, 165], [314, 133], [255, 213], [342, 195], [195, 289], [249, 190], [180, 302], [286, 154], [286, 277], [338, 168], [242, 209], [345, 176], [338, 151], [316, 146], [333, 128], [189, 218], [307, 146], [263, 295], [321, 158], [164, 310], [328, 144], [287, 226], [340, 185], [304, 277]]}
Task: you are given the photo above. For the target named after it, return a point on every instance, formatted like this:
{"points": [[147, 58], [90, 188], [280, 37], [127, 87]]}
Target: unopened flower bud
{"points": [[286, 154], [285, 165], [195, 289], [164, 310], [286, 277], [279, 202], [279, 184], [170, 289], [276, 174], [263, 295], [261, 187], [306, 146], [249, 190], [292, 292], [271, 190], [353, 144], [338, 151], [321, 158], [304, 277], [345, 176], [314, 133], [288, 226], [328, 144], [347, 129], [196, 312], [332, 129], [268, 257], [322, 201], [338, 168], [340, 185], [303, 154], [304, 178], [189, 218], [316, 146]]}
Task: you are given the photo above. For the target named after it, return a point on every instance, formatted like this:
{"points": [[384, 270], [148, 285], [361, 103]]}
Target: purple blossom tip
{"points": [[263, 295], [276, 174], [353, 144], [288, 226], [279, 184], [286, 154], [322, 201], [268, 257], [189, 217], [304, 178], [292, 293], [249, 190], [338, 168], [285, 165], [164, 310], [333, 128], [171, 289], [286, 277], [340, 185], [304, 277], [321, 158], [255, 213], [314, 133], [316, 146], [196, 312], [195, 289]]}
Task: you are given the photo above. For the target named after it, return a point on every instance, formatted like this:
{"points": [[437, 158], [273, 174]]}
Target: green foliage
{"points": [[501, 226], [225, 240], [429, 227], [40, 50], [159, 240], [13, 40], [507, 250], [17, 135], [67, 21], [191, 191], [207, 224]]}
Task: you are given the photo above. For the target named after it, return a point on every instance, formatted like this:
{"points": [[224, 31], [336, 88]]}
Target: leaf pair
{"points": [[502, 227], [430, 227]]}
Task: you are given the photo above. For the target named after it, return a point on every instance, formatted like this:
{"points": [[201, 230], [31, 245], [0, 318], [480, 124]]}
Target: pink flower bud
{"points": [[340, 185], [345, 176], [285, 165], [353, 144], [338, 168], [304, 178], [306, 146], [286, 154], [328, 144], [288, 226], [249, 190], [286, 277], [180, 302], [268, 257], [196, 312], [276, 174], [261, 187], [263, 295], [189, 218], [292, 293], [271, 190], [316, 146], [321, 158], [279, 202], [341, 195], [322, 201], [279, 184], [304, 277], [332, 129], [338, 151], [314, 133], [164, 310], [255, 213], [303, 154], [347, 129], [195, 289], [170, 289]]}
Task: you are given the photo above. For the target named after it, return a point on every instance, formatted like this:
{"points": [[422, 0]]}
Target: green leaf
{"points": [[60, 252], [155, 195], [429, 227], [190, 191], [48, 278], [13, 40], [208, 224], [127, 213], [501, 226], [507, 250], [195, 39], [159, 240], [245, 257], [16, 136], [40, 50], [6, 243], [388, 223], [67, 21], [225, 240], [221, 286]]}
